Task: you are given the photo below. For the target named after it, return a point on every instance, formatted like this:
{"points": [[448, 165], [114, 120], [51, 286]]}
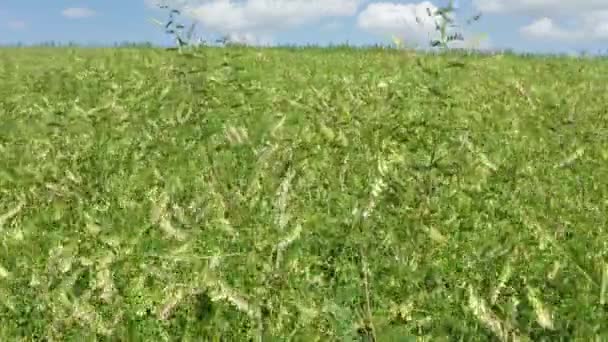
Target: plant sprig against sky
{"points": [[445, 23], [175, 28], [443, 17], [445, 26]]}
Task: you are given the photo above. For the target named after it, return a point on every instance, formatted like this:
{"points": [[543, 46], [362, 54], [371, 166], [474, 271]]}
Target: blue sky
{"points": [[523, 25]]}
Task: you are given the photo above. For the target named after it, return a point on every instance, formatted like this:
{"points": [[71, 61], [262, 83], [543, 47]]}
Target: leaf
{"points": [[191, 31], [475, 17], [456, 64], [397, 41], [157, 22]]}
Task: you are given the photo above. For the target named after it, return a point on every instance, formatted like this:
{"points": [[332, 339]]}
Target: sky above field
{"points": [[565, 26]]}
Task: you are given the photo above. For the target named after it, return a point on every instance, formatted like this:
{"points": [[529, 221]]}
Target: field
{"points": [[302, 194]]}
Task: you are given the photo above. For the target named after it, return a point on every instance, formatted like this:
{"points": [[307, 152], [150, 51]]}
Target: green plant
{"points": [[444, 23], [303, 193], [186, 45], [176, 29]]}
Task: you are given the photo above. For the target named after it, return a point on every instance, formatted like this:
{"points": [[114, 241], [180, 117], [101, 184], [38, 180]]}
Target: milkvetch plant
{"points": [[444, 23], [176, 29]]}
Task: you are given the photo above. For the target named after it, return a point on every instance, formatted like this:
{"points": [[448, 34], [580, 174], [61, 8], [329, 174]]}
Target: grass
{"points": [[314, 194]]}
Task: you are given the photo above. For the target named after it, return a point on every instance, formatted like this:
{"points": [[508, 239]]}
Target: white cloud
{"points": [[591, 16], [592, 27], [540, 7], [410, 22], [77, 12], [16, 24], [601, 31], [267, 15], [249, 20], [544, 28], [249, 38], [172, 3], [596, 24], [390, 18], [260, 18]]}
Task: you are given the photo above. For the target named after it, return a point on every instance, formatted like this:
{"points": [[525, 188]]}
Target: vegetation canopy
{"points": [[240, 193]]}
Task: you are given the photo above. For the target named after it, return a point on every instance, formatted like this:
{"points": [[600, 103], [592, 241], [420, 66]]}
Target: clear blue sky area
{"points": [[565, 26]]}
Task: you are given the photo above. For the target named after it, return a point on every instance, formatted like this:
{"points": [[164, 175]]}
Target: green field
{"points": [[302, 194]]}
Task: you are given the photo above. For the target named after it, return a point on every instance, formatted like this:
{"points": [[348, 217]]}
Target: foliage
{"points": [[176, 29], [317, 194], [444, 25]]}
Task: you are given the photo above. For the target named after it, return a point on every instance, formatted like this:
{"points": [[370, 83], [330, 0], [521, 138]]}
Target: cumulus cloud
{"points": [[249, 38], [225, 15], [16, 24], [592, 27], [388, 18], [596, 24], [255, 20], [410, 22], [540, 7], [545, 28], [77, 12], [591, 16]]}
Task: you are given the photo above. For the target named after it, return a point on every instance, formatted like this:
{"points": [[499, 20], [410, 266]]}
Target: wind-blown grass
{"points": [[313, 195]]}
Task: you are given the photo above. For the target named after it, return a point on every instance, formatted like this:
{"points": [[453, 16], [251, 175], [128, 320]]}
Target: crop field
{"points": [[302, 194]]}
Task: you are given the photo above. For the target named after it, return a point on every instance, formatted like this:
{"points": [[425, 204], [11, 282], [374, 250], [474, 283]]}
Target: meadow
{"points": [[302, 194]]}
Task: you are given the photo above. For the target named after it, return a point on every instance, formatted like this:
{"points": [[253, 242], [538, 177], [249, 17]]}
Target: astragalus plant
{"points": [[445, 24]]}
